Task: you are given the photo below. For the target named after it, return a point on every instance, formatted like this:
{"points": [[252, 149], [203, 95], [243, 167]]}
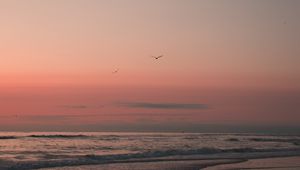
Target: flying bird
{"points": [[157, 57], [116, 71]]}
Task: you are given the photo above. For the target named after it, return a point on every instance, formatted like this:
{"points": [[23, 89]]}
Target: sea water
{"points": [[33, 150]]}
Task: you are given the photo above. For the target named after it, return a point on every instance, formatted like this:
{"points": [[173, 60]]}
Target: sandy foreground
{"points": [[284, 163], [160, 165]]}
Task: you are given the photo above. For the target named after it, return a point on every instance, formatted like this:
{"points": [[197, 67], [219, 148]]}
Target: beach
{"points": [[163, 165], [281, 163]]}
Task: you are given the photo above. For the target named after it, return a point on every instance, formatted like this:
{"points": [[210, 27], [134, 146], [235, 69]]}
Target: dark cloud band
{"points": [[147, 105], [74, 106]]}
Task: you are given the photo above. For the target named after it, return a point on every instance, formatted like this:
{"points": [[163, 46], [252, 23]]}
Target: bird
{"points": [[116, 71], [157, 57]]}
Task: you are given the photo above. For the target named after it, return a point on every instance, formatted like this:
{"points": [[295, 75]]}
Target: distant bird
{"points": [[157, 57], [116, 71]]}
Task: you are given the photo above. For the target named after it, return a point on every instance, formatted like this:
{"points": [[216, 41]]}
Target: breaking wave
{"points": [[204, 153], [58, 136], [8, 137]]}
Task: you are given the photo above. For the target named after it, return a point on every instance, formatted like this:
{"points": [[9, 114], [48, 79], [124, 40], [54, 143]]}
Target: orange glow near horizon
{"points": [[57, 61]]}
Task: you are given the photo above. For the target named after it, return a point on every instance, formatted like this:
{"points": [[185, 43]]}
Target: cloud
{"points": [[148, 105], [74, 106], [46, 117], [54, 117]]}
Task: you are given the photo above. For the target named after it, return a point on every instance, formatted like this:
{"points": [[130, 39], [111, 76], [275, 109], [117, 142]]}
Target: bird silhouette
{"points": [[157, 57]]}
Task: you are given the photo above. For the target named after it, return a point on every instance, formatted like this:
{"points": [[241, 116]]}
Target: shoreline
{"points": [[154, 165], [282, 162], [278, 163]]}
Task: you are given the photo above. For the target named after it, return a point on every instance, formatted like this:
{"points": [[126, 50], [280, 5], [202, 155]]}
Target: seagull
{"points": [[157, 57], [116, 71]]}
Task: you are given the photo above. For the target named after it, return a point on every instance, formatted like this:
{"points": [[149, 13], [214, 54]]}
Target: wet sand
{"points": [[159, 165], [283, 163]]}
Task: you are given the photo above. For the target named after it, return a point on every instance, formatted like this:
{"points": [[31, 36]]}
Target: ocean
{"points": [[39, 150]]}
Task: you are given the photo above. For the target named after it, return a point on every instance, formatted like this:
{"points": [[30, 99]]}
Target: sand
{"points": [[159, 165], [282, 163], [285, 163]]}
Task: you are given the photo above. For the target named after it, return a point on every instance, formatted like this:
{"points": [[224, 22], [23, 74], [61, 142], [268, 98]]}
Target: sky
{"points": [[227, 62]]}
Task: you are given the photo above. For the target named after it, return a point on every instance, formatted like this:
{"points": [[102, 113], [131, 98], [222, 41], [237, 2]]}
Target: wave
{"points": [[232, 140], [8, 137], [292, 141], [58, 136], [167, 155], [105, 137], [46, 136], [109, 137]]}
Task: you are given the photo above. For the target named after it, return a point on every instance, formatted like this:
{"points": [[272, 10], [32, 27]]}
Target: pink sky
{"points": [[239, 59]]}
